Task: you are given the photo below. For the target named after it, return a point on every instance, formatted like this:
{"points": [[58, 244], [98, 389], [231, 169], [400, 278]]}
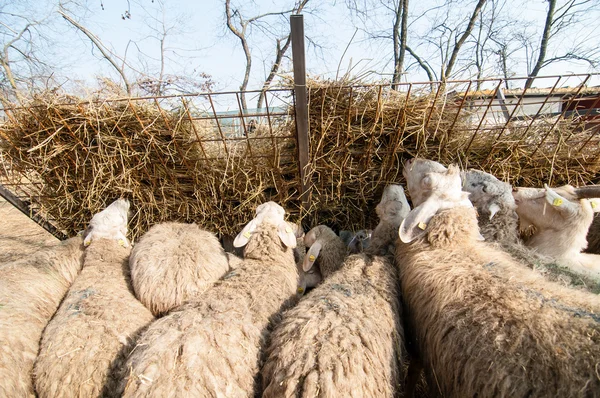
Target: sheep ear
{"points": [[287, 235], [242, 238], [558, 202], [415, 223], [311, 256], [88, 236], [595, 203], [494, 208]]}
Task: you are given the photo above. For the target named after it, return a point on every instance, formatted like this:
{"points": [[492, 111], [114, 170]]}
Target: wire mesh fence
{"points": [[203, 158]]}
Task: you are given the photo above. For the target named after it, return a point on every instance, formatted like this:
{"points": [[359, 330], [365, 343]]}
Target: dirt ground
{"points": [[19, 236]]}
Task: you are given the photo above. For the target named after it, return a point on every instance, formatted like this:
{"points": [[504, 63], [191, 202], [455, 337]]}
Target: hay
{"points": [[360, 135], [84, 154], [176, 166]]}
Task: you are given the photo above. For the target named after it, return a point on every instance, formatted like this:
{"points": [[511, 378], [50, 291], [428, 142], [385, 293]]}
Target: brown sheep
{"points": [[211, 347], [484, 325], [30, 292], [174, 262], [345, 338], [97, 323]]}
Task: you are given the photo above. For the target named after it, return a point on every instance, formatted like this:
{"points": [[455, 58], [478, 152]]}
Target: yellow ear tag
{"points": [[247, 235], [121, 243], [311, 258], [300, 290], [288, 230], [422, 225], [557, 202], [594, 205], [87, 243]]}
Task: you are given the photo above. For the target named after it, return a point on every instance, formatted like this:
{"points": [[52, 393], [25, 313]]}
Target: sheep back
{"points": [[30, 292], [174, 262], [211, 347], [342, 339], [95, 326], [487, 326]]}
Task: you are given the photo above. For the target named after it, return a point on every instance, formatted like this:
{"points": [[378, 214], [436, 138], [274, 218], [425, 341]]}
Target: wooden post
{"points": [[301, 102]]}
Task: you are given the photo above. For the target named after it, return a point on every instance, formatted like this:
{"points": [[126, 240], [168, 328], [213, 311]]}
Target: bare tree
{"points": [[240, 25], [559, 17], [106, 53]]}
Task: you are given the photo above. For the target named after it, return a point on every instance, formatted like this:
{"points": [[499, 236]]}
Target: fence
{"points": [[191, 158]]}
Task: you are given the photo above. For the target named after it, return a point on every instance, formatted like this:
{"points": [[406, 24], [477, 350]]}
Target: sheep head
{"points": [[110, 223], [268, 212], [439, 189], [487, 193], [393, 206], [415, 172]]}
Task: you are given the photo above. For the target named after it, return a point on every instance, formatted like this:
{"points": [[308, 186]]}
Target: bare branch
{"points": [[105, 52]]}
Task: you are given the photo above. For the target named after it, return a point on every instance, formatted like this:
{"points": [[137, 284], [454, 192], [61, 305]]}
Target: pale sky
{"points": [[199, 42]]}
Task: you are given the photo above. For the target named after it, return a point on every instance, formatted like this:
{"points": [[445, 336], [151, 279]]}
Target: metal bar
{"points": [[498, 87], [271, 134], [539, 111], [241, 117], [26, 209], [367, 158], [502, 101], [187, 110], [212, 105], [462, 103], [560, 117], [299, 61]]}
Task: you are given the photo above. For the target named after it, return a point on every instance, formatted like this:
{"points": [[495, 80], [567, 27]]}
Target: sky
{"points": [[198, 41]]}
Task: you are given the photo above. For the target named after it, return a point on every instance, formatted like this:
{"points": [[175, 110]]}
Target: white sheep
{"points": [[30, 292], [86, 342], [175, 262], [561, 218], [211, 346], [483, 324], [345, 338]]}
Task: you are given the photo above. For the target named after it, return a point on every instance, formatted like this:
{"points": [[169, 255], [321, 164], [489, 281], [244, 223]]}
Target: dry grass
{"points": [[86, 154], [360, 135], [177, 168]]}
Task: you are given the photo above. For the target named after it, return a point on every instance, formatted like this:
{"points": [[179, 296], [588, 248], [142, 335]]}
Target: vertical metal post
{"points": [[299, 61]]}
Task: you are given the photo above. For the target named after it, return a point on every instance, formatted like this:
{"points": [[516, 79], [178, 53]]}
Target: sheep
{"points": [[97, 323], [344, 338], [484, 325], [496, 208], [174, 262], [210, 347], [561, 218], [30, 292], [357, 241]]}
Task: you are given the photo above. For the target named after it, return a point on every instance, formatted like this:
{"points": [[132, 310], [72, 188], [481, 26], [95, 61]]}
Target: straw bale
{"points": [[361, 134], [173, 263], [30, 292], [172, 167], [94, 329], [485, 325], [177, 168], [211, 347]]}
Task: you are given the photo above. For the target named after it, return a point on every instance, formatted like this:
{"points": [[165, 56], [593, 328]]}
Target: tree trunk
{"points": [[543, 45]]}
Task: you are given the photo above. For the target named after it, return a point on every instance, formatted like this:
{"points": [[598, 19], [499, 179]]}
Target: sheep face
{"points": [[415, 172], [307, 279], [487, 192], [268, 212], [110, 223], [552, 209], [393, 205], [439, 190]]}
